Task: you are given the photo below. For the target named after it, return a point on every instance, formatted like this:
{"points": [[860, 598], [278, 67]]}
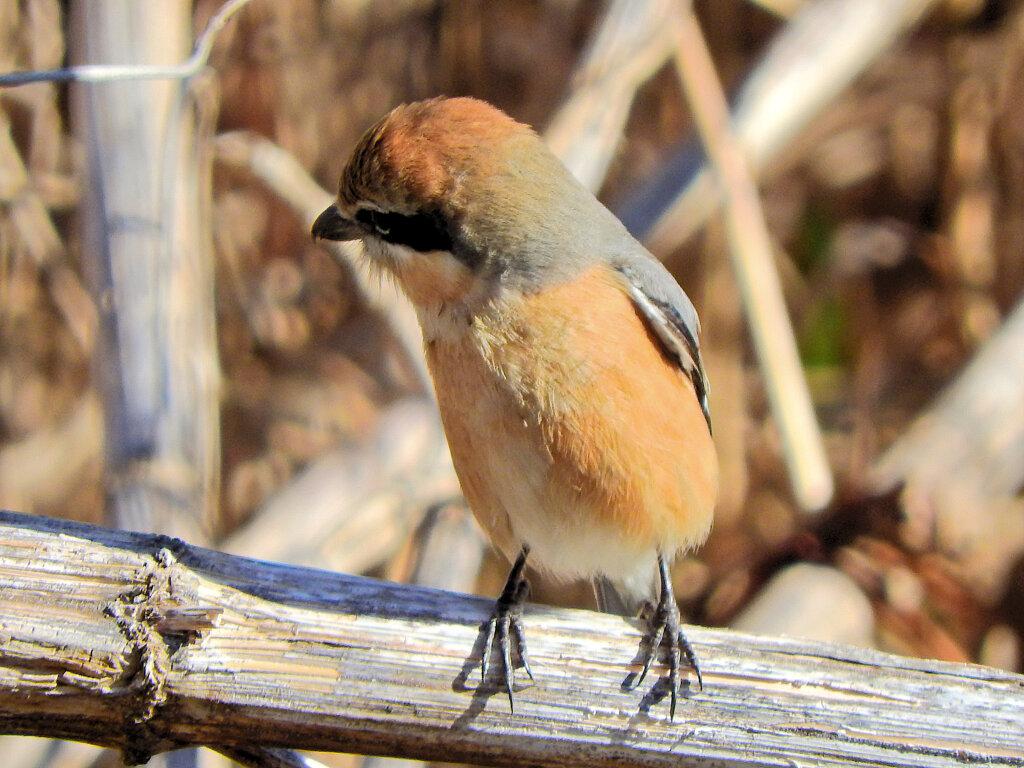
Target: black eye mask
{"points": [[422, 231]]}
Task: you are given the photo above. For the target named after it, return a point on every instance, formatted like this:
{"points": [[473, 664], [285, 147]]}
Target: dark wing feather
{"points": [[670, 315]]}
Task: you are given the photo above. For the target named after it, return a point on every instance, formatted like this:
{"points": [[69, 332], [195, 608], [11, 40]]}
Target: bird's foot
{"points": [[665, 630], [505, 628]]}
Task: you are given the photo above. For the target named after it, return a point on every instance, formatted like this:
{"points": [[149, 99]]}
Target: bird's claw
{"points": [[666, 629], [505, 629]]}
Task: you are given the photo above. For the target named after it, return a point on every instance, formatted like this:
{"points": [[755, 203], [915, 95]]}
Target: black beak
{"points": [[331, 225]]}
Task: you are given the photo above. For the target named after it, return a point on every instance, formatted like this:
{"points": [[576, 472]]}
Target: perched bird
{"points": [[564, 356]]}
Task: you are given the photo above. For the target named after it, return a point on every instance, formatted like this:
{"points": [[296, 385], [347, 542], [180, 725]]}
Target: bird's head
{"points": [[455, 198]]}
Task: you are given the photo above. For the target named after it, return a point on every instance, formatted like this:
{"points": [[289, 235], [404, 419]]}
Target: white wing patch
{"points": [[670, 325]]}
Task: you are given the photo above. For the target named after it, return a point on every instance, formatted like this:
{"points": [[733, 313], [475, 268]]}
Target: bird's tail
{"points": [[617, 599]]}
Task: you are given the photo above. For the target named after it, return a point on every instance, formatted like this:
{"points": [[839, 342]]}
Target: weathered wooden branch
{"points": [[144, 643]]}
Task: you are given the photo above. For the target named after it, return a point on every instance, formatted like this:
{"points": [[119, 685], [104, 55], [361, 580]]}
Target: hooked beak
{"points": [[331, 225]]}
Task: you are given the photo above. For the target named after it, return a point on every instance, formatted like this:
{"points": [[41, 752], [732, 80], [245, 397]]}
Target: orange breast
{"points": [[568, 424]]}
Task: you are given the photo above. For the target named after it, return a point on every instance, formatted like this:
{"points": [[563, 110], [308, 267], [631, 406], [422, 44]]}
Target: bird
{"points": [[565, 360]]}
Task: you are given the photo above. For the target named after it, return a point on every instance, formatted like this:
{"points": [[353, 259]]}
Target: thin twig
{"points": [[751, 251], [105, 73], [816, 56], [285, 177], [630, 45]]}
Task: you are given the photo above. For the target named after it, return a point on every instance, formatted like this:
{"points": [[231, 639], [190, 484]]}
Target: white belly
{"points": [[566, 540]]}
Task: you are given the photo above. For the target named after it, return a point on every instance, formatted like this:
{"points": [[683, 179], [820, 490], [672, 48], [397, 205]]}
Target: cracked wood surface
{"points": [[144, 643]]}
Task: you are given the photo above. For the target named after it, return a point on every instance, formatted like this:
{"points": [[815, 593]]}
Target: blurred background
{"points": [[201, 367]]}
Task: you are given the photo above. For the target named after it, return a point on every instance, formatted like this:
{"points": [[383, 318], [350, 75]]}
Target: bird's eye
{"points": [[421, 231], [380, 224]]}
